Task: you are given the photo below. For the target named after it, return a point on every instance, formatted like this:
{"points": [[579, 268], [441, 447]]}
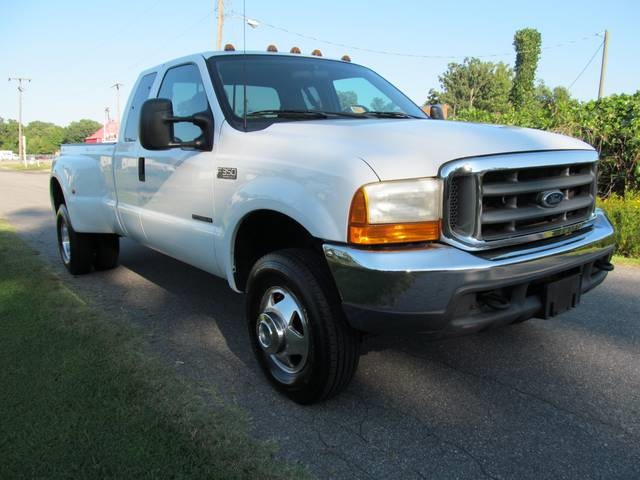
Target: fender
{"points": [[89, 199], [322, 213]]}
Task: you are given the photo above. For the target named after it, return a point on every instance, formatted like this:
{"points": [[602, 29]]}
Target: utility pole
{"points": [[220, 22], [21, 143], [117, 86], [603, 67], [107, 119]]}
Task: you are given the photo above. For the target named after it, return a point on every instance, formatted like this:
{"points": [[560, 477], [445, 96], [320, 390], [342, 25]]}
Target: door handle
{"points": [[141, 176]]}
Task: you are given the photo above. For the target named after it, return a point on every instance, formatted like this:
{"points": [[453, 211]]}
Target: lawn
{"points": [[30, 167], [618, 260], [83, 396]]}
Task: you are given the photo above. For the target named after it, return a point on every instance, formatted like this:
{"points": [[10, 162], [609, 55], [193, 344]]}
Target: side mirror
{"points": [[437, 112], [157, 122]]}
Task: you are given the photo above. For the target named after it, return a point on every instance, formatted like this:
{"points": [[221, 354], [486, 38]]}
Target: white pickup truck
{"points": [[337, 205]]}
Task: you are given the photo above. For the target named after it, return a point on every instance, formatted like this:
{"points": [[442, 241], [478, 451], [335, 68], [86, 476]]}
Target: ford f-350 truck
{"points": [[337, 205]]}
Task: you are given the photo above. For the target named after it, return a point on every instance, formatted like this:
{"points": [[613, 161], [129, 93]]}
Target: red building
{"points": [[106, 133]]}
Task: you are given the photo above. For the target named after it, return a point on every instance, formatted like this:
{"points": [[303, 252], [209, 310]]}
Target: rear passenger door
{"points": [[177, 216]]}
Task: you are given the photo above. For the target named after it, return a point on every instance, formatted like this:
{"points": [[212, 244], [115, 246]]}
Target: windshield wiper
{"points": [[311, 114], [380, 114], [287, 114]]}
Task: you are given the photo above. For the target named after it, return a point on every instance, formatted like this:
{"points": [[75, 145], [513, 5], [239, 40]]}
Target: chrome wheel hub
{"points": [[65, 243], [271, 332], [283, 333]]}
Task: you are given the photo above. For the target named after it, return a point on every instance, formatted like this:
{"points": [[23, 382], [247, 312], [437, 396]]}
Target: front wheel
{"points": [[297, 327]]}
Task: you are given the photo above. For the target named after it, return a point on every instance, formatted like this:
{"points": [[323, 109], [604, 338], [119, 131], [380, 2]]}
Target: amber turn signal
{"points": [[362, 232]]}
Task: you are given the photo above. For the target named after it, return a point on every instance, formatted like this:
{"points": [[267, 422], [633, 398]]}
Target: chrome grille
{"points": [[492, 202]]}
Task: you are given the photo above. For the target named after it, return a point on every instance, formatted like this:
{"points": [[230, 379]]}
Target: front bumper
{"points": [[441, 289]]}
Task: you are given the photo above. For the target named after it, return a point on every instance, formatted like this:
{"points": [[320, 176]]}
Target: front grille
{"points": [[496, 205]]}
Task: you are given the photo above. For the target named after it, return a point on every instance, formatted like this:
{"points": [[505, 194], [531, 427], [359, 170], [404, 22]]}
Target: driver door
{"points": [[178, 213]]}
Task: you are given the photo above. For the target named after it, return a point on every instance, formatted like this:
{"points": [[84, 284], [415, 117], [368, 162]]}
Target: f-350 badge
{"points": [[227, 173]]}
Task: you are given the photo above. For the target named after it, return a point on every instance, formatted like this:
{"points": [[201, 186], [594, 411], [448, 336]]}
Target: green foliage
{"points": [[8, 135], [76, 132], [474, 84], [43, 137], [624, 213], [612, 125], [527, 43]]}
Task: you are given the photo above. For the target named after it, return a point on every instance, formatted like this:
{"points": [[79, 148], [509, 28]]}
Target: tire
{"points": [[297, 327], [76, 249], [107, 249]]}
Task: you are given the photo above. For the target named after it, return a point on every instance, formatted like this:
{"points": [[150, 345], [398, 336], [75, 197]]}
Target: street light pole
{"points": [[21, 153]]}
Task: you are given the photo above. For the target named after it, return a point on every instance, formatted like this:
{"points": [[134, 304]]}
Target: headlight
{"points": [[396, 212]]}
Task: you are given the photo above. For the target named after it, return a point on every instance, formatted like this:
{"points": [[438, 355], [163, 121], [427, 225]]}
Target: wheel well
{"points": [[263, 232], [57, 197]]}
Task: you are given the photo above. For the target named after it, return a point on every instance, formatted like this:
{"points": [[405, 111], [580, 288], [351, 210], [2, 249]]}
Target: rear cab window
{"points": [[133, 117]]}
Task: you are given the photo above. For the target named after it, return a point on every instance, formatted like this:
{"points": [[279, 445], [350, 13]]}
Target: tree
{"points": [[8, 135], [43, 137], [347, 99], [379, 105], [474, 84], [527, 44], [77, 131]]}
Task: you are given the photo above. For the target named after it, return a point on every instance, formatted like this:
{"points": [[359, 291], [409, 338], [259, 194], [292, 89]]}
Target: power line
{"points": [[404, 54], [587, 65], [188, 29]]}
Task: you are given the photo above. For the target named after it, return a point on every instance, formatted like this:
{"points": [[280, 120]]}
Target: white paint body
{"points": [[307, 170]]}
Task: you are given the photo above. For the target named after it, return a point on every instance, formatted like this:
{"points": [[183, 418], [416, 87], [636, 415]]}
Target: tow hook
{"points": [[494, 300], [604, 264]]}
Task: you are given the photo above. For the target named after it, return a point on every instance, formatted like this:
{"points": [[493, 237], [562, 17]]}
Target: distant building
{"points": [[107, 133], [7, 155]]}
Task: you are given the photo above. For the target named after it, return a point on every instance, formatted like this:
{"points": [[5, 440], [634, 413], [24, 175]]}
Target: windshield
{"points": [[283, 88]]}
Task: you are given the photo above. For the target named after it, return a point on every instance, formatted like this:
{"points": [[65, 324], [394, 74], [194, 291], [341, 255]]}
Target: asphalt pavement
{"points": [[556, 399]]}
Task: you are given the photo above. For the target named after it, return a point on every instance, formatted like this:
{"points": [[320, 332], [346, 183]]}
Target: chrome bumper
{"points": [[439, 288]]}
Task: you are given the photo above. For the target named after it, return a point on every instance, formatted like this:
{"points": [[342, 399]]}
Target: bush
{"points": [[611, 125], [624, 213]]}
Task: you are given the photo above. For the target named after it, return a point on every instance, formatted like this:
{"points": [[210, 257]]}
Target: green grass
{"points": [[31, 167], [83, 397], [618, 260]]}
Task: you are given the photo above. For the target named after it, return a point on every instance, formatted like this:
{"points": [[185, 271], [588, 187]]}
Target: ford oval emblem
{"points": [[550, 198]]}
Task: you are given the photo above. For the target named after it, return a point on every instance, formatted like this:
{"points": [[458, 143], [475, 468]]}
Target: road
{"points": [[545, 399]]}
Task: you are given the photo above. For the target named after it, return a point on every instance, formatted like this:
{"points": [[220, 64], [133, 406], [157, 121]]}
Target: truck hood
{"points": [[406, 148]]}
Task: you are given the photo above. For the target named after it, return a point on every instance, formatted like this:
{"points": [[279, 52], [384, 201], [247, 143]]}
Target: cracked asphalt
{"points": [[557, 399]]}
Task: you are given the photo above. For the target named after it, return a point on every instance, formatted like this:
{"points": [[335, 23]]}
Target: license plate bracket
{"points": [[561, 295]]}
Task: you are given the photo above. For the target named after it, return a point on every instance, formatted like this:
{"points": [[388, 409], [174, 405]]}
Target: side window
{"points": [[183, 86], [133, 117], [258, 98]]}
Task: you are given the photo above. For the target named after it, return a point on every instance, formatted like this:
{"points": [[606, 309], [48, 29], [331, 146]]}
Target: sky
{"points": [[75, 50]]}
